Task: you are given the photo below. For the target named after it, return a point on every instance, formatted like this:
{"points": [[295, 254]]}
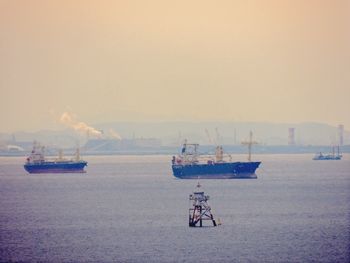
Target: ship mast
{"points": [[249, 144], [77, 155], [60, 155]]}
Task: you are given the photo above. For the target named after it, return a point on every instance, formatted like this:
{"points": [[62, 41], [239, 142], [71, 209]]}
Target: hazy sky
{"points": [[278, 61]]}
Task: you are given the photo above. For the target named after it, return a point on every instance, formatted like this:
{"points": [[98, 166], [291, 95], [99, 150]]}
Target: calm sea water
{"points": [[131, 209]]}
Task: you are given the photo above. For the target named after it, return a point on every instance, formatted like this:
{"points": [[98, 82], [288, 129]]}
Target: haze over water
{"points": [[131, 209]]}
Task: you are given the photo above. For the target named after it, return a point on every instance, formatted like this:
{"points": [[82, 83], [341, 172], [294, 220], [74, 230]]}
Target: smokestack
{"points": [[291, 136], [235, 136], [340, 134]]}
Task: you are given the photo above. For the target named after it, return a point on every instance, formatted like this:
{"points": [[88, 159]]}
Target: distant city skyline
{"points": [[174, 133], [109, 61]]}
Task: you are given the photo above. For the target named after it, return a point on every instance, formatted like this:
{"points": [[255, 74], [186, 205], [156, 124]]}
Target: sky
{"points": [[274, 61]]}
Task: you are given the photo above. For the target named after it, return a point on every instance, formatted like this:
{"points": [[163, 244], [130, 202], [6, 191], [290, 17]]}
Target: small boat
{"points": [[37, 163], [330, 156]]}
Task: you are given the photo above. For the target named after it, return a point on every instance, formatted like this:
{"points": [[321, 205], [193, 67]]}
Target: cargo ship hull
{"points": [[326, 158], [234, 170], [55, 167]]}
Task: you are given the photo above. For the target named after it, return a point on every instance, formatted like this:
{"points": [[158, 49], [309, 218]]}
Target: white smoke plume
{"points": [[70, 121], [114, 134]]}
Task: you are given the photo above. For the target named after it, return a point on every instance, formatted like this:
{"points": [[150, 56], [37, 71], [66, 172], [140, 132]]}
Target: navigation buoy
{"points": [[199, 209]]}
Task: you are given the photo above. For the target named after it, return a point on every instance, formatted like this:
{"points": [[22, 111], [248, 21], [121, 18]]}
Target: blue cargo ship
{"points": [[37, 163], [190, 165]]}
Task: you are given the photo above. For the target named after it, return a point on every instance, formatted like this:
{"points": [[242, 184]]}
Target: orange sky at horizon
{"points": [[276, 61]]}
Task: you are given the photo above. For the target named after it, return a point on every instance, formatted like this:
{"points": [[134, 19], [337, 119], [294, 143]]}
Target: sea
{"points": [[131, 209]]}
